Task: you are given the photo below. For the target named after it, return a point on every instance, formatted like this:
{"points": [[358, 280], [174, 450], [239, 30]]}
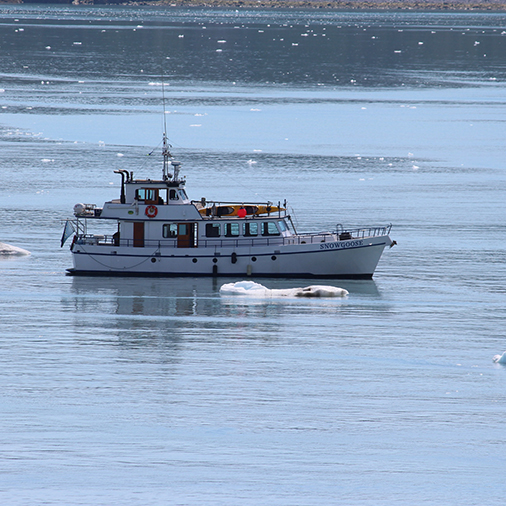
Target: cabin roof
{"points": [[156, 183]]}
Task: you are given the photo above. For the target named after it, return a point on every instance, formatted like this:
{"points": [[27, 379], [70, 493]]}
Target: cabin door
{"points": [[138, 234], [186, 235]]}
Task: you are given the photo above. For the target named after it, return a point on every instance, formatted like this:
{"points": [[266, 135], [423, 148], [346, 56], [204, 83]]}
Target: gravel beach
{"points": [[369, 5], [427, 5]]}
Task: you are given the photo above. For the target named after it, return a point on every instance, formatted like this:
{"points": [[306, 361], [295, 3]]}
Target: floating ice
{"points": [[252, 289], [8, 250], [500, 359]]}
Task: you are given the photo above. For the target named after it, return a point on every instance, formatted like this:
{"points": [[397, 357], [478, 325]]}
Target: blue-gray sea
{"points": [[151, 392]]}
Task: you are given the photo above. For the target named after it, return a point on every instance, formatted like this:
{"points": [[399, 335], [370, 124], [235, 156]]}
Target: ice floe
{"points": [[8, 250], [500, 359], [252, 289]]}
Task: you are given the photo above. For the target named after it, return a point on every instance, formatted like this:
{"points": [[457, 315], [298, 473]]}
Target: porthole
{"points": [[194, 260], [215, 260], [253, 259], [273, 257]]}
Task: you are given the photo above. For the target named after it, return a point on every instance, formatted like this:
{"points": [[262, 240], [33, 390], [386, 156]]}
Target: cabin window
{"points": [[269, 228], [231, 229], [173, 195], [212, 230], [282, 226], [182, 195], [250, 229], [147, 195], [170, 230]]}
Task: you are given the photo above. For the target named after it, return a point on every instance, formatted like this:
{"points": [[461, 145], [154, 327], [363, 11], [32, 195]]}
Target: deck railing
{"points": [[243, 242]]}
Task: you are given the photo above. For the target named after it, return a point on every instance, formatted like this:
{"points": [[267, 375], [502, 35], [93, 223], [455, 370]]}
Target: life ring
{"points": [[151, 211]]}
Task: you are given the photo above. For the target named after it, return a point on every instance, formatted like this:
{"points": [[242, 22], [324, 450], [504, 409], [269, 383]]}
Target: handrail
{"points": [[242, 242]]}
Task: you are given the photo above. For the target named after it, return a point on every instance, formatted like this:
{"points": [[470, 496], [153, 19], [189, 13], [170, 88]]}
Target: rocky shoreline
{"points": [[369, 5], [420, 5]]}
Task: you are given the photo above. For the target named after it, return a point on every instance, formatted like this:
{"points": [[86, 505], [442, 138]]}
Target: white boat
{"points": [[156, 230]]}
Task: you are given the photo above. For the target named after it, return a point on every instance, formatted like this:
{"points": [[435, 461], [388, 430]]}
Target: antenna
{"points": [[166, 146]]}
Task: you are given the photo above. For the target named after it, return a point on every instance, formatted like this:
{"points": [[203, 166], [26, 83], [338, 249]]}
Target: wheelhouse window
{"points": [[232, 230], [269, 228], [282, 226], [151, 195], [170, 230], [212, 230], [173, 194], [148, 195], [249, 229]]}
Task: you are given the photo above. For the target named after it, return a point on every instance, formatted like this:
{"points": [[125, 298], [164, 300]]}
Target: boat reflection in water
{"points": [[166, 304]]}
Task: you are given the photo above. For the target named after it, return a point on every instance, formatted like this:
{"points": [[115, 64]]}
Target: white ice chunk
{"points": [[320, 291], [500, 359], [244, 288], [8, 250], [252, 289]]}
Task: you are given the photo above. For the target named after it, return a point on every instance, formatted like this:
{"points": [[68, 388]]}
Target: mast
{"points": [[167, 155], [165, 148]]}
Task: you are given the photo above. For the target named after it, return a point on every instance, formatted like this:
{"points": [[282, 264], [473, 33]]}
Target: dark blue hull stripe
{"points": [[305, 275]]}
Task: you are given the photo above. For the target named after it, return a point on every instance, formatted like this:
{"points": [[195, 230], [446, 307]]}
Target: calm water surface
{"points": [[151, 392]]}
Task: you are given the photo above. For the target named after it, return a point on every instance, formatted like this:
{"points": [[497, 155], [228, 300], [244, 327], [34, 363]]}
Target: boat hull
{"points": [[339, 259]]}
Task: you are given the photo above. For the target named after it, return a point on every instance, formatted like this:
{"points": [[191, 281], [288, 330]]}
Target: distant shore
{"points": [[419, 5], [369, 5]]}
